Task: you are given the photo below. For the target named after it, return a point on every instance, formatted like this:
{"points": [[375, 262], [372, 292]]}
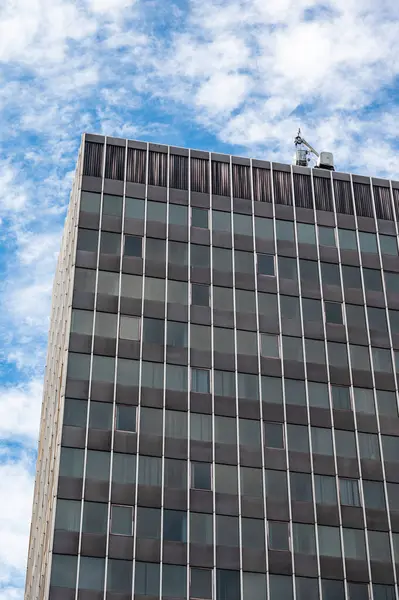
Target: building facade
{"points": [[220, 415]]}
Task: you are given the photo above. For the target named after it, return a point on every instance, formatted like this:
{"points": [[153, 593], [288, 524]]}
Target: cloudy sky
{"points": [[236, 76]]}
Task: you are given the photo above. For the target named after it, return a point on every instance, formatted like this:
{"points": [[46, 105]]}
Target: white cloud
{"points": [[20, 411]]}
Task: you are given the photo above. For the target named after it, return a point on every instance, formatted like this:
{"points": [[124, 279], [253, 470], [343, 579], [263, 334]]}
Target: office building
{"points": [[220, 416]]}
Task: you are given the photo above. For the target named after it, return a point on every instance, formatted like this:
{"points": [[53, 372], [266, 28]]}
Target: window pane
{"points": [[178, 215], [119, 576], [330, 274], [254, 586], [175, 525], [351, 277], [345, 443], [272, 390], [292, 348], [301, 487], [318, 394], [340, 397], [337, 355], [150, 420], [128, 372], [201, 476], [244, 262], [133, 246], [177, 292], [155, 249], [368, 242], [285, 230], [153, 331], [200, 583], [82, 321], [266, 264], [226, 480], [177, 334], [95, 517], [287, 268], [200, 256], [122, 520], [222, 259], [201, 427], [177, 253], [349, 492], [333, 589], [280, 587], [368, 446], [388, 245], [374, 496], [201, 528], [304, 538], [253, 534], [383, 592], [358, 591], [322, 441], [393, 495], [134, 208], [249, 432], [306, 233], [67, 516], [125, 418], [103, 369], [200, 381], [112, 205], [199, 217], [333, 312], [325, 490], [148, 523], [75, 412], [199, 294], [91, 573], [379, 546], [354, 544], [278, 536], [174, 581], [78, 366], [176, 378], [347, 239], [372, 280], [156, 211], [264, 228], [146, 579], [105, 325], [131, 286], [276, 485], [247, 343], [101, 414], [150, 470], [124, 468], [326, 236], [364, 400], [387, 403], [221, 221], [390, 445], [225, 430], [242, 224], [315, 351], [200, 337], [154, 289], [248, 386], [251, 482], [63, 571], [270, 346], [274, 435], [97, 465], [298, 440], [227, 585], [71, 462], [329, 541], [90, 202], [175, 473], [226, 531], [306, 588]]}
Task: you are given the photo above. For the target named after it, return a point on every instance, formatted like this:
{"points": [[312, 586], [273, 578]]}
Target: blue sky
{"points": [[234, 76]]}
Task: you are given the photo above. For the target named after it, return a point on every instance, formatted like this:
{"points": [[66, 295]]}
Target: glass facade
{"points": [[230, 424]]}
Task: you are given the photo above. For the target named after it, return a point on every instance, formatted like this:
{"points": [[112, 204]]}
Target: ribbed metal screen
{"points": [[200, 175], [220, 178], [135, 168], [93, 159], [343, 197], [115, 162], [157, 169], [363, 200], [323, 194], [262, 185], [382, 202], [282, 188], [241, 181], [178, 175], [303, 190]]}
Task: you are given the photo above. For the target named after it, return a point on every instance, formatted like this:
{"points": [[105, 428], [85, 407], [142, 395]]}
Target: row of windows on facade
{"points": [[228, 584], [239, 224], [175, 334], [299, 538], [241, 181], [244, 263], [181, 475], [181, 379]]}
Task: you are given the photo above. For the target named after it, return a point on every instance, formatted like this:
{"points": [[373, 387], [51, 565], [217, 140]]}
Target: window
{"points": [[95, 517], [91, 573], [177, 334], [382, 360], [110, 243], [393, 496], [105, 325], [152, 375], [75, 412], [176, 424], [341, 399], [379, 546], [201, 427], [223, 340], [329, 541], [131, 286], [278, 536], [134, 208], [355, 316], [97, 465], [225, 384], [201, 528], [154, 289], [175, 474], [333, 589], [176, 378], [287, 268], [264, 228], [150, 468], [119, 576], [368, 446], [200, 381], [347, 239], [276, 485], [146, 580], [345, 443], [199, 294], [306, 233], [133, 246], [87, 240], [251, 482], [358, 591], [374, 496], [301, 487], [71, 462], [388, 245], [248, 386], [226, 480], [267, 304], [244, 262], [78, 366], [315, 351], [337, 355], [372, 280], [272, 390], [390, 445], [304, 541], [227, 585], [266, 264], [200, 256], [174, 581], [177, 253], [148, 523], [351, 277], [112, 205], [85, 280], [199, 217], [354, 544], [63, 571], [274, 435], [103, 369], [253, 533], [360, 358], [226, 531], [125, 418], [177, 292], [325, 490], [67, 516], [306, 588], [368, 242], [280, 587], [201, 476], [318, 394], [292, 348], [222, 259], [254, 586], [175, 525], [387, 403], [309, 272], [322, 441], [377, 319], [222, 298], [100, 415], [349, 492], [285, 231], [128, 372], [155, 250], [200, 337], [124, 468], [90, 202], [270, 346], [200, 583], [153, 331], [247, 343], [178, 215], [298, 440], [121, 520], [249, 432], [364, 400], [330, 274], [333, 311], [383, 592], [326, 236], [242, 224]]}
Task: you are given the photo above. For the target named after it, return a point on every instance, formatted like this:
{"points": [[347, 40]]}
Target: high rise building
{"points": [[220, 415]]}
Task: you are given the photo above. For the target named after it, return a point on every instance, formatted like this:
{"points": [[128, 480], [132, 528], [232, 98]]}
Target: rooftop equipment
{"points": [[304, 152]]}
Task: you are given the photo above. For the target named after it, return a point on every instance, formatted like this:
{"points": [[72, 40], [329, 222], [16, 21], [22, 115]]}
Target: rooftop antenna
{"points": [[304, 153]]}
